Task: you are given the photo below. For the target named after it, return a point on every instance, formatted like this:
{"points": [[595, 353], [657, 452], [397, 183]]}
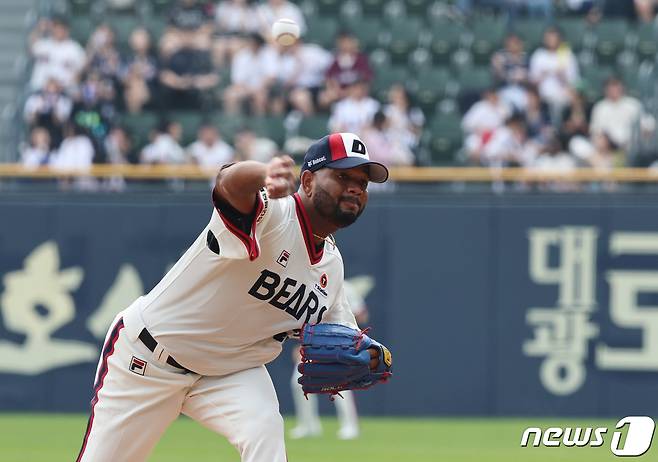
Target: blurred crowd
{"points": [[218, 57], [537, 114], [79, 91]]}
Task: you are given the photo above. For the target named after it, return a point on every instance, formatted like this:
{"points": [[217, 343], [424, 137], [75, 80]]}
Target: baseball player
{"points": [[306, 407], [263, 268]]}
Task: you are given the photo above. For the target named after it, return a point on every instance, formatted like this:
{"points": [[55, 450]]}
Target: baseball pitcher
{"points": [[264, 268]]}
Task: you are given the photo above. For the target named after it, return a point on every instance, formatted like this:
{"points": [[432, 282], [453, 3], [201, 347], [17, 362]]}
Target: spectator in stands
{"points": [[187, 77], [164, 147], [404, 121], [209, 150], [139, 72], [55, 54], [102, 55], [271, 11], [617, 114], [645, 10], [554, 69], [509, 146], [600, 153], [250, 146], [235, 20], [190, 27], [94, 109], [509, 67], [537, 117], [552, 156], [191, 16], [355, 112], [575, 119], [37, 152], [118, 149], [384, 144], [49, 108], [118, 146], [253, 71], [481, 120], [300, 71], [348, 66], [76, 151]]}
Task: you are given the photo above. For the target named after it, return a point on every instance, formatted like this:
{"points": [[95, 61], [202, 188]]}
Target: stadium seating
{"points": [[314, 127], [593, 78], [228, 124], [401, 37], [140, 126], [155, 24], [422, 44], [81, 27], [80, 7], [487, 37], [430, 86], [270, 127], [366, 30], [190, 121], [322, 31], [372, 7], [610, 38], [444, 138], [531, 31], [384, 80], [123, 25], [574, 32], [445, 38], [646, 42]]}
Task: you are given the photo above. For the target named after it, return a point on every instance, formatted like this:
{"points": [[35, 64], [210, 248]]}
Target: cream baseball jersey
{"points": [[233, 297]]}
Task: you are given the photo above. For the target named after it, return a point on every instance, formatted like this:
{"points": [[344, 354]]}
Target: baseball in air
{"points": [[285, 32]]}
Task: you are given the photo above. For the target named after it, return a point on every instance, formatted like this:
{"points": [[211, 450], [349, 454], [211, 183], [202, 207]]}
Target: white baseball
{"points": [[285, 32]]}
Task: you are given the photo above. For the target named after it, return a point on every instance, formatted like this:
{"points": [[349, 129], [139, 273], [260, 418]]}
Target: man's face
{"points": [[614, 90], [340, 196], [514, 44], [208, 135], [552, 39], [60, 31], [348, 44]]}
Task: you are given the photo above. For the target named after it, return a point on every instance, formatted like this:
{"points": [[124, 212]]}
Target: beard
{"points": [[329, 208]]}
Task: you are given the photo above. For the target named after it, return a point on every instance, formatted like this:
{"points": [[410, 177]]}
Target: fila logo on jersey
{"points": [[283, 258], [138, 366], [295, 304]]}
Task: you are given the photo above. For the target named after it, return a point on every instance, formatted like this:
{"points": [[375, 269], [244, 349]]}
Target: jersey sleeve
{"points": [[340, 312], [236, 235]]}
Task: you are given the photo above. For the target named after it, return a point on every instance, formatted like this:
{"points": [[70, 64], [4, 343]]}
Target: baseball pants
{"points": [[137, 396]]}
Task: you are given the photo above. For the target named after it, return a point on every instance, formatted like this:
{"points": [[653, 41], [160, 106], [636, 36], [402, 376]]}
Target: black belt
{"points": [[150, 343]]}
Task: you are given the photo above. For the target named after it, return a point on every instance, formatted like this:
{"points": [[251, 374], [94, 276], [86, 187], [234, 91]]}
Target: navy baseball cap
{"points": [[342, 150]]}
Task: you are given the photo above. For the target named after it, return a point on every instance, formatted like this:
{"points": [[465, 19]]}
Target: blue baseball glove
{"points": [[337, 358]]}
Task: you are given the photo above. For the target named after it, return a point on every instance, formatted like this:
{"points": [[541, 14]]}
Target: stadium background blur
{"points": [[510, 297]]}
